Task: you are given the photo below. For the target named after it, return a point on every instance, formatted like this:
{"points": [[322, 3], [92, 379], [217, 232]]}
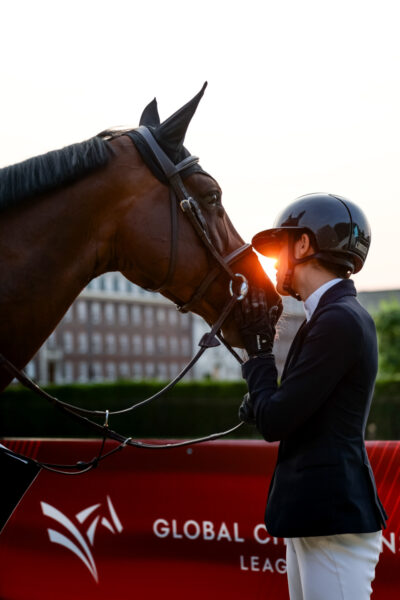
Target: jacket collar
{"points": [[313, 299], [343, 288]]}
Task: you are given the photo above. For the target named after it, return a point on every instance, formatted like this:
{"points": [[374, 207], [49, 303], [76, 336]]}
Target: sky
{"points": [[303, 96]]}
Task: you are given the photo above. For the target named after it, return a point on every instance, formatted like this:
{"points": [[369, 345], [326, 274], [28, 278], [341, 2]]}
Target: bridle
{"points": [[179, 197]]}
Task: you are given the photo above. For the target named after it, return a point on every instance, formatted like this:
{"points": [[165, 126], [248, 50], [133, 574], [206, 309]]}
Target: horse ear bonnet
{"points": [[150, 117], [170, 134]]}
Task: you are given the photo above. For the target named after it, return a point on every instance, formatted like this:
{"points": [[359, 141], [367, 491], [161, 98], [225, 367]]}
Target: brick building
{"points": [[220, 365], [115, 330]]}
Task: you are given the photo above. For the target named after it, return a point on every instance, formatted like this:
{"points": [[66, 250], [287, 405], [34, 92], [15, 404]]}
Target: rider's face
{"points": [[300, 272], [282, 266]]}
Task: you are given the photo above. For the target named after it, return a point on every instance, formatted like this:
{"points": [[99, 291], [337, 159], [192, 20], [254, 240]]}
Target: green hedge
{"points": [[384, 418], [191, 409]]}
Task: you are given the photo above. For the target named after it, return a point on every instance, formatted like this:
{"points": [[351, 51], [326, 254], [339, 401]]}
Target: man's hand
{"points": [[256, 322]]}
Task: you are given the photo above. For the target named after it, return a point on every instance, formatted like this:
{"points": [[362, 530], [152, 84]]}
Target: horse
{"points": [[103, 205]]}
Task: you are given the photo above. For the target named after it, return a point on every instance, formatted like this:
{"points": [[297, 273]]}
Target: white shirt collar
{"points": [[313, 299]]}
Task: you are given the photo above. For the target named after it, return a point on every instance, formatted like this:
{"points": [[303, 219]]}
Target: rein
{"points": [[178, 197], [78, 414]]}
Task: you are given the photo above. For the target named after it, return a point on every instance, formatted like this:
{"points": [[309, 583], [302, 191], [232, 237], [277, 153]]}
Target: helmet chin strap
{"points": [[292, 262]]}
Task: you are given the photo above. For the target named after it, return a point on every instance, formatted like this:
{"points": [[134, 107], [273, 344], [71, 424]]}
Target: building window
{"points": [[115, 283], [111, 371], [83, 375], [68, 342], [161, 316], [124, 370], [52, 341], [109, 311], [149, 344], [136, 314], [82, 343], [124, 343], [68, 371], [173, 316], [123, 314], [97, 343], [173, 344], [97, 371], [150, 369], [137, 370], [148, 316], [81, 309], [108, 280], [31, 369], [162, 371], [94, 284], [162, 344], [110, 343], [185, 346], [95, 312], [173, 369], [137, 345], [69, 315], [185, 320]]}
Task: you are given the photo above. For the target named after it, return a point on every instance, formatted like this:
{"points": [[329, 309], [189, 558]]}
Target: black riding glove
{"points": [[256, 322], [246, 412]]}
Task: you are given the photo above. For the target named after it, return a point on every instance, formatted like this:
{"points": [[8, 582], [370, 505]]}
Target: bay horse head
{"points": [[194, 256], [106, 204]]}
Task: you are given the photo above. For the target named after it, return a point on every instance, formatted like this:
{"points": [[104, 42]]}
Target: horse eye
{"points": [[214, 198]]}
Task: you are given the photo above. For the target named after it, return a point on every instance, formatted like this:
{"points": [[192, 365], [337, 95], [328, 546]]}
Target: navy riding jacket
{"points": [[323, 482]]}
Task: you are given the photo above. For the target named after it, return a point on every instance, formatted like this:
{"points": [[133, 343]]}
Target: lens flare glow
{"points": [[269, 266]]}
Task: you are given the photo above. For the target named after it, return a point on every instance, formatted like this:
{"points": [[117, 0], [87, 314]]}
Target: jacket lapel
{"points": [[295, 347], [344, 288]]}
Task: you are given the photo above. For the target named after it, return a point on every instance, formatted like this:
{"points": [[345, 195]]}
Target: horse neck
{"points": [[50, 248]]}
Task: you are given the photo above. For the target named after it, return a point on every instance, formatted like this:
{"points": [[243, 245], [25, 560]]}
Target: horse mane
{"points": [[52, 170]]}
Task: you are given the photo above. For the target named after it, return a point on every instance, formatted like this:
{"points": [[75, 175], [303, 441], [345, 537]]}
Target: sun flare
{"points": [[269, 266]]}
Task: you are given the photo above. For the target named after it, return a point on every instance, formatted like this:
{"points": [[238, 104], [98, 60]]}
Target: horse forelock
{"points": [[51, 170]]}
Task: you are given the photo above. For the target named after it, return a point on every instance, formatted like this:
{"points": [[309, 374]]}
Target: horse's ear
{"points": [[150, 115], [171, 133]]}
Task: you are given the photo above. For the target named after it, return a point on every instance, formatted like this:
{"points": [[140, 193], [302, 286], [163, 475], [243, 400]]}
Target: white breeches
{"points": [[334, 567]]}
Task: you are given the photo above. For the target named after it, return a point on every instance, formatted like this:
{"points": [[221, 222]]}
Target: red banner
{"points": [[180, 523]]}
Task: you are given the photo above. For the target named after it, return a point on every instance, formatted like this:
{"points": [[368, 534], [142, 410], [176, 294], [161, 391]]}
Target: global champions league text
{"points": [[209, 531]]}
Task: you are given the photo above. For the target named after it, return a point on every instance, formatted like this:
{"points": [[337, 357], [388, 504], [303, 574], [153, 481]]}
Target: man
{"points": [[322, 496]]}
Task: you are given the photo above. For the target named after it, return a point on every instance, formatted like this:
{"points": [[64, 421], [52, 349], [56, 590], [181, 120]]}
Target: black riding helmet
{"points": [[340, 232]]}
